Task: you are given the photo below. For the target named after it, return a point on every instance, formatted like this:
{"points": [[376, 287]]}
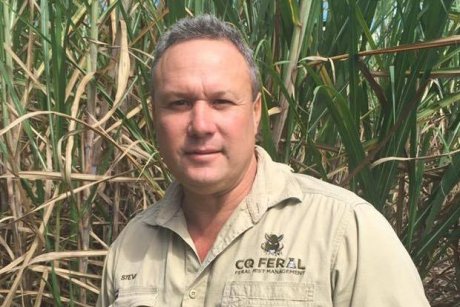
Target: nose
{"points": [[202, 120]]}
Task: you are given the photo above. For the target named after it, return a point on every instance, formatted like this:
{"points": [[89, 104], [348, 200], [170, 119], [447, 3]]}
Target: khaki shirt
{"points": [[293, 241]]}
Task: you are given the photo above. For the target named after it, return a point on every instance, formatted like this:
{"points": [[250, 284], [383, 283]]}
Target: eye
{"points": [[221, 103], [180, 104]]}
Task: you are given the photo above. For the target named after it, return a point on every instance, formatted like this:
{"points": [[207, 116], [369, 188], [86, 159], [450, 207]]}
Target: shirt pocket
{"points": [[253, 294], [136, 296]]}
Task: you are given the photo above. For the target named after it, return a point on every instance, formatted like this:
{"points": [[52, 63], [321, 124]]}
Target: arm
{"points": [[372, 267], [106, 296]]}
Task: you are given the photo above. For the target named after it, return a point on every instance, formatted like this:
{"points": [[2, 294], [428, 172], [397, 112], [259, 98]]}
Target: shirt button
{"points": [[192, 294]]}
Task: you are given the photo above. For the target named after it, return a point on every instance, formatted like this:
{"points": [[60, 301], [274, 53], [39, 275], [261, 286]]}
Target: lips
{"points": [[202, 154], [201, 151]]}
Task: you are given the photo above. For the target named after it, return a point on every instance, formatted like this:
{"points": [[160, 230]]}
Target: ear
{"points": [[257, 109]]}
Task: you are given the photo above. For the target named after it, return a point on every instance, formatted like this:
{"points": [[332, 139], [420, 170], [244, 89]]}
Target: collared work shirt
{"points": [[293, 241]]}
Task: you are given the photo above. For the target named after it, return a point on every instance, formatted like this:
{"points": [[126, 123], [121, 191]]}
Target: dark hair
{"points": [[208, 27]]}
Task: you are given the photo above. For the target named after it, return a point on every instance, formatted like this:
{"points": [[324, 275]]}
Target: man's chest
{"points": [[269, 264]]}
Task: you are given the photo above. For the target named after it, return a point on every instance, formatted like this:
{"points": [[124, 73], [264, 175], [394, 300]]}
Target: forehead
{"points": [[202, 63], [207, 52]]}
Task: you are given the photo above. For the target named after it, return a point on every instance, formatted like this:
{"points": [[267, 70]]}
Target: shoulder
{"points": [[278, 181], [312, 187], [307, 202], [134, 231], [338, 206], [146, 222]]}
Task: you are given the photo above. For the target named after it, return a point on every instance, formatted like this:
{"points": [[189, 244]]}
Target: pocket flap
{"points": [[269, 291], [136, 296]]}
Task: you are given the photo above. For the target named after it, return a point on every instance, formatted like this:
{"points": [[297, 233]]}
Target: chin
{"points": [[201, 184]]}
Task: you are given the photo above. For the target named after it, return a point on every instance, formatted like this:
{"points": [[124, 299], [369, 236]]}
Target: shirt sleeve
{"points": [[107, 295], [372, 267]]}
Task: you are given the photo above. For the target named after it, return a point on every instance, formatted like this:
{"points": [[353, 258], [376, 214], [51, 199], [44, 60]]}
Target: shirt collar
{"points": [[167, 208], [272, 185]]}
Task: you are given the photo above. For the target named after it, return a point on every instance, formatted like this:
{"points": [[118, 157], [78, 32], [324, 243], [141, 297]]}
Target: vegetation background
{"points": [[361, 93]]}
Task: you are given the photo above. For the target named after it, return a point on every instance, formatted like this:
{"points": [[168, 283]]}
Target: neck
{"points": [[202, 211], [207, 213]]}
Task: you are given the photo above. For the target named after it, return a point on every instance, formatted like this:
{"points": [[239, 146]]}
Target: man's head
{"points": [[206, 27], [205, 110]]}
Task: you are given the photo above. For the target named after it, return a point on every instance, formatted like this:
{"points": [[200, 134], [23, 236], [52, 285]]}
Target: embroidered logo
{"points": [[128, 276], [272, 245], [274, 262]]}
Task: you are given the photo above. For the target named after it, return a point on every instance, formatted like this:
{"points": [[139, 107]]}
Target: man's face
{"points": [[205, 117]]}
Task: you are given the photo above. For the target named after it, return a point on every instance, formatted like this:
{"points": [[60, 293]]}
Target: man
{"points": [[236, 228]]}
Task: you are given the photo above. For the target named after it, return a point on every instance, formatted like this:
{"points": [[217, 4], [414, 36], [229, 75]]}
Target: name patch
{"points": [[128, 276]]}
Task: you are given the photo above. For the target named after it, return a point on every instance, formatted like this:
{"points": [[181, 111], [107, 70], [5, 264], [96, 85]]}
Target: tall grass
{"points": [[361, 93]]}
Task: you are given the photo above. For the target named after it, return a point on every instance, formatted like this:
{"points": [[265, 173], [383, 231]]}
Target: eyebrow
{"points": [[186, 94]]}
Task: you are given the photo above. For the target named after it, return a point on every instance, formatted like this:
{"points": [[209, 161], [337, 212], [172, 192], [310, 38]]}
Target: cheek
{"points": [[247, 123], [169, 126], [166, 133]]}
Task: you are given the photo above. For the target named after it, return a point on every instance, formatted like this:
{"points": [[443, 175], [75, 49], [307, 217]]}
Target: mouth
{"points": [[202, 155], [203, 152]]}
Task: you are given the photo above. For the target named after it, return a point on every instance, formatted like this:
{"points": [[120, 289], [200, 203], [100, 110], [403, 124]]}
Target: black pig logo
{"points": [[273, 245]]}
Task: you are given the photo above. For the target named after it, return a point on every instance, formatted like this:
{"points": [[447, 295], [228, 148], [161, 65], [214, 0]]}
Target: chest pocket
{"points": [[136, 296], [255, 294]]}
